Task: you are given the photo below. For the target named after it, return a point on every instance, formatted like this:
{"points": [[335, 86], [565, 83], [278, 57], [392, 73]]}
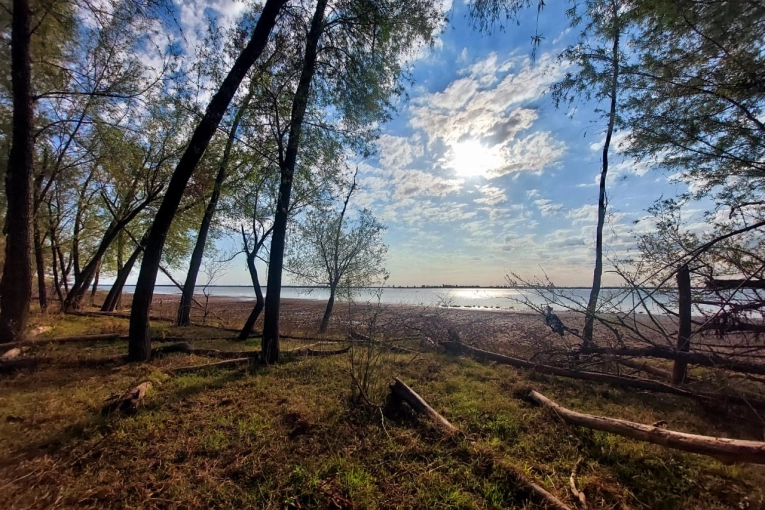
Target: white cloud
{"points": [[491, 196], [484, 107], [398, 151], [547, 207]]}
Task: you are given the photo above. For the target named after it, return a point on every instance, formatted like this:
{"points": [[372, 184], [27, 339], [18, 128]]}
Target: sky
{"points": [[478, 175]]}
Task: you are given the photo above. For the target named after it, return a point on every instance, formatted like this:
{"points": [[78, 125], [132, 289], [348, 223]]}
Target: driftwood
{"points": [[631, 382], [12, 365], [405, 393], [64, 340], [723, 449], [572, 482], [317, 352], [128, 402], [401, 391], [118, 315], [219, 364], [692, 358], [644, 367], [13, 353]]}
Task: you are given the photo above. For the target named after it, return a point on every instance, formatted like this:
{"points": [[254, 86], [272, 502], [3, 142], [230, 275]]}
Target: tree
{"points": [[597, 58], [139, 345], [184, 307], [331, 249], [16, 282], [355, 56]]}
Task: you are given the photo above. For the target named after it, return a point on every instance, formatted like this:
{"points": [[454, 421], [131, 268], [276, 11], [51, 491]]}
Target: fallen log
{"points": [[219, 364], [12, 365], [405, 393], [401, 391], [693, 358], [724, 449], [645, 367], [128, 402], [630, 382], [65, 339], [318, 352], [633, 382]]}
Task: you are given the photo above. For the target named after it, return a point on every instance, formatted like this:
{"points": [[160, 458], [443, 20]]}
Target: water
{"points": [[484, 298]]}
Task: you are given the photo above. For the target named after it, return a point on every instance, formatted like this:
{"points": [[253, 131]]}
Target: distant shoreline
{"points": [[401, 287]]}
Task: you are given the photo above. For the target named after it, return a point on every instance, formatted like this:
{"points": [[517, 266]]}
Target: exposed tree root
{"points": [[724, 449]]}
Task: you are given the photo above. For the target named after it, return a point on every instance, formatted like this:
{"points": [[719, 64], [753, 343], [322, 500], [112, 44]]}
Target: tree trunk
{"points": [[54, 266], [680, 368], [259, 301], [724, 449], [184, 307], [16, 282], [139, 346], [117, 304], [597, 276], [112, 299], [42, 288], [95, 282], [328, 310], [270, 342]]}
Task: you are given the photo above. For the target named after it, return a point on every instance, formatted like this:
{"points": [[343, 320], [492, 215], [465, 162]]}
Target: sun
{"points": [[471, 158]]}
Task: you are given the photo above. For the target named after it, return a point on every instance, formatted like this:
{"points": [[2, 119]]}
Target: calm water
{"points": [[495, 299]]}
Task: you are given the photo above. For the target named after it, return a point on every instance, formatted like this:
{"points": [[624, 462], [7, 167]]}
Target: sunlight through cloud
{"points": [[471, 158]]}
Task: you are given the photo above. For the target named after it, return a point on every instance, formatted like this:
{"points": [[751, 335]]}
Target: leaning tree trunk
{"points": [[270, 341], [187, 296], [95, 281], [602, 202], [328, 310], [112, 300], [54, 266], [139, 344], [16, 282], [259, 301], [42, 288]]}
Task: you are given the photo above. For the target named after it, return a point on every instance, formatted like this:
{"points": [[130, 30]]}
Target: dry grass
{"points": [[292, 436]]}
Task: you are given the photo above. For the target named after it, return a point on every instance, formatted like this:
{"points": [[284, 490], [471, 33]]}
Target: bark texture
{"points": [[270, 342], [139, 346], [16, 282]]}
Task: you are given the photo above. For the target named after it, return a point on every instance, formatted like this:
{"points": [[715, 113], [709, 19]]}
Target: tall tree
{"points": [[356, 59], [16, 282], [139, 345], [270, 341], [187, 295], [597, 58]]}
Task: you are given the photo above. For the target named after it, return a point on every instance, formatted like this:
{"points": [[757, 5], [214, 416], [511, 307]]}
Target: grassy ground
{"points": [[292, 436]]}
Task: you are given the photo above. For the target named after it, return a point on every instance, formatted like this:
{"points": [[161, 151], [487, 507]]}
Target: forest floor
{"points": [[293, 436]]}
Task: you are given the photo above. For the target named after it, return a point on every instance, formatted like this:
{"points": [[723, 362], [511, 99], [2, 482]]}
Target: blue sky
{"points": [[479, 174]]}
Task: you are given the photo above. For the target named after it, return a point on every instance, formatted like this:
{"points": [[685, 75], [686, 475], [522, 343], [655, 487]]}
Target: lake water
{"points": [[484, 298]]}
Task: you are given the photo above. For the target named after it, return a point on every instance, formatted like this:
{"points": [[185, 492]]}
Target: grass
{"points": [[291, 436]]}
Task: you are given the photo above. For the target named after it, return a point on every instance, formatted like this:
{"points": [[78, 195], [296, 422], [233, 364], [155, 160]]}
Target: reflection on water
{"points": [[493, 299]]}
